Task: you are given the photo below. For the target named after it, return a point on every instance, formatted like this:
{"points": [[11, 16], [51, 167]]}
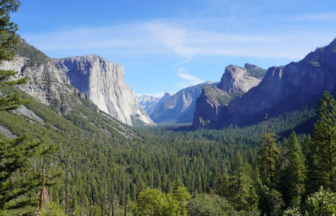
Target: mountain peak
{"points": [[236, 78]]}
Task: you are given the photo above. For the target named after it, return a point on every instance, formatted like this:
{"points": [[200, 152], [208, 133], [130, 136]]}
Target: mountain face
{"points": [[237, 79], [235, 82], [150, 103], [49, 85], [295, 86], [47, 82], [103, 83], [180, 107]]}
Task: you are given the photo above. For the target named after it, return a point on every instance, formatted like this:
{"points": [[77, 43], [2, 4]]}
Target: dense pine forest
{"points": [[67, 165]]}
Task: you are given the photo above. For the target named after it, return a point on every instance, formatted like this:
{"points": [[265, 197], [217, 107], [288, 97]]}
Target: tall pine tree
{"points": [[16, 174], [295, 171], [324, 141]]}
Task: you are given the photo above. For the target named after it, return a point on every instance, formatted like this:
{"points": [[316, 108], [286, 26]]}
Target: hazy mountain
{"points": [[180, 107], [150, 103]]}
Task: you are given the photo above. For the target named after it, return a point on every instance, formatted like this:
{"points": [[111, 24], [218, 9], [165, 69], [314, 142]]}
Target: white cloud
{"points": [[174, 38], [189, 80]]}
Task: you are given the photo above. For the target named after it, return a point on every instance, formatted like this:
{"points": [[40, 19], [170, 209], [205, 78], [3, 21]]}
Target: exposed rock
{"points": [[180, 107], [47, 82], [235, 82], [209, 106], [22, 110], [288, 88], [237, 79], [103, 82], [150, 103], [6, 132]]}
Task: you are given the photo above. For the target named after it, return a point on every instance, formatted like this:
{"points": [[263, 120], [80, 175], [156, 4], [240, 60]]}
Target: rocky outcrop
{"points": [[180, 107], [237, 79], [150, 103], [235, 82], [47, 82], [103, 82], [209, 106], [288, 88]]}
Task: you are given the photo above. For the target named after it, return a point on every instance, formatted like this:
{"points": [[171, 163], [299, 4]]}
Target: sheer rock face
{"points": [[209, 106], [292, 87], [287, 88], [213, 101], [180, 107], [103, 82], [150, 103], [237, 79], [47, 82]]}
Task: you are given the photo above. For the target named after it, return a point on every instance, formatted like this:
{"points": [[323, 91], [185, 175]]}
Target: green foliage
{"points": [[269, 158], [34, 56], [324, 139], [154, 202], [322, 202], [204, 205], [295, 171], [51, 209]]}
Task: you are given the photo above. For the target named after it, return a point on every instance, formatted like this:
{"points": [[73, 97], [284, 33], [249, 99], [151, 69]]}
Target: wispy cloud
{"points": [[182, 39]]}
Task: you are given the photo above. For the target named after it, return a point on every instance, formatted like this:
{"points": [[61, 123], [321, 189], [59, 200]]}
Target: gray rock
{"points": [[209, 106], [292, 87], [6, 132], [180, 107], [22, 110], [235, 82], [103, 82], [150, 103], [237, 79]]}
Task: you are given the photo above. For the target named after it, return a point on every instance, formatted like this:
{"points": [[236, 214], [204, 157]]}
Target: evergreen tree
{"points": [[295, 171], [8, 46], [16, 174], [269, 156], [324, 139], [239, 184]]}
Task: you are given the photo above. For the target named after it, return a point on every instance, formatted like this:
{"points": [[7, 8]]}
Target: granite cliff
{"points": [[180, 107], [292, 87], [47, 82], [150, 103], [49, 85], [103, 82], [235, 82]]}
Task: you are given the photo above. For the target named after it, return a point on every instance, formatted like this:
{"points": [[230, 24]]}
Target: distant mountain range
{"points": [[150, 103], [180, 107], [291, 87]]}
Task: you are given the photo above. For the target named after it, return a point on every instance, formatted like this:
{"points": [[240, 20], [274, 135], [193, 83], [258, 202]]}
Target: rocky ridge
{"points": [[180, 107], [150, 103], [103, 82], [292, 87], [48, 84], [235, 82]]}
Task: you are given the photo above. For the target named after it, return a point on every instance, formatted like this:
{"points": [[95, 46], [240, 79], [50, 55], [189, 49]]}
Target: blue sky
{"points": [[165, 46]]}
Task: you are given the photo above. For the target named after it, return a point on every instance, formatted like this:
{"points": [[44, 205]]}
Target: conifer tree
{"points": [[15, 154], [8, 46], [324, 140], [239, 184], [295, 171], [269, 156]]}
